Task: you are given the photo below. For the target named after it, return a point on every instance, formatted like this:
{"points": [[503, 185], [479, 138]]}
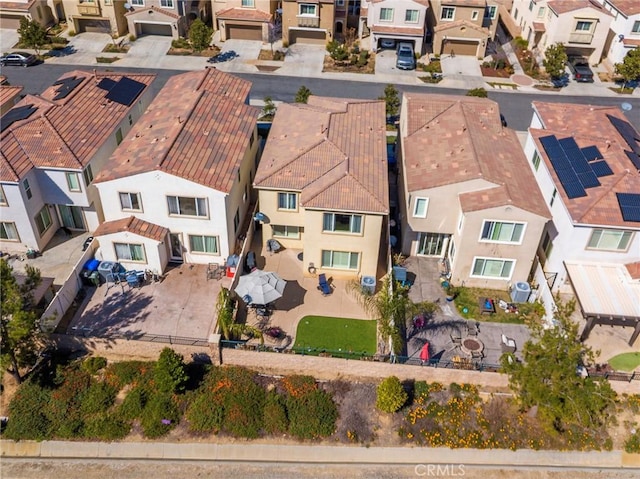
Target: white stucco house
{"points": [[624, 33], [399, 20], [179, 186]]}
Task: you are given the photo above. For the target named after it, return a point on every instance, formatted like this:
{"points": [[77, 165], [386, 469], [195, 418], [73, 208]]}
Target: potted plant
{"points": [[452, 291]]}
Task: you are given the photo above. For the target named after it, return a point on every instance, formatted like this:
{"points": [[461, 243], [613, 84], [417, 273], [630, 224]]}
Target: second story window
{"points": [[474, 15], [610, 240], [411, 16], [339, 3], [420, 207], [287, 201], [73, 182], [447, 13], [536, 160], [386, 14], [130, 201], [166, 3], [88, 175], [308, 10], [27, 188], [248, 3], [583, 26], [183, 206], [490, 12], [502, 232], [3, 198], [341, 223], [636, 27], [541, 12], [137, 3]]}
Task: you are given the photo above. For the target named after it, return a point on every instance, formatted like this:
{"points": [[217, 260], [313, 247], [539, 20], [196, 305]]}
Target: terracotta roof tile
{"points": [[591, 126], [197, 128], [132, 225], [22, 6], [631, 42], [8, 93], [626, 7], [249, 14], [424, 3], [539, 27], [64, 133], [566, 6], [633, 269], [144, 10], [465, 140], [465, 3], [397, 30], [333, 151]]}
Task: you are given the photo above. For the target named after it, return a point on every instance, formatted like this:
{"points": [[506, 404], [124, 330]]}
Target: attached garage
{"points": [[93, 25], [162, 29], [10, 22], [460, 47], [313, 37], [244, 32]]}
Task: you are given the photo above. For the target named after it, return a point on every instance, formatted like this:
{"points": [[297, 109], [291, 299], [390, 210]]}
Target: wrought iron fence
{"points": [[152, 338]]}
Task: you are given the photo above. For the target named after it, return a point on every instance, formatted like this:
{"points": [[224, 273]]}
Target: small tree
{"points": [[391, 100], [337, 51], [268, 110], [555, 60], [170, 375], [32, 35], [391, 395], [302, 95], [629, 69], [200, 35], [479, 92]]}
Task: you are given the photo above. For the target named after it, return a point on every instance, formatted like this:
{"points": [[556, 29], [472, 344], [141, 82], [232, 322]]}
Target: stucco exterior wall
{"points": [[155, 252], [621, 26], [290, 10], [400, 8]]}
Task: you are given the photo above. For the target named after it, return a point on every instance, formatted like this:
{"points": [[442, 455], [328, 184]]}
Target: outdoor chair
{"points": [[323, 285], [472, 329], [400, 275], [508, 344], [477, 355], [456, 341]]}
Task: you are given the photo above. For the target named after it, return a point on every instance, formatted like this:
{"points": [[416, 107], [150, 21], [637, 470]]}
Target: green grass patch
{"points": [[622, 91], [625, 361], [335, 336], [467, 303]]}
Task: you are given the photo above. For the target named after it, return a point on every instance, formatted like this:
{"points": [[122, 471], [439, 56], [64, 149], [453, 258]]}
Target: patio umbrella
{"points": [[424, 353], [260, 287]]}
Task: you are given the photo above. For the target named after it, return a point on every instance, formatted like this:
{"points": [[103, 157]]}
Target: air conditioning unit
{"points": [[520, 292]]}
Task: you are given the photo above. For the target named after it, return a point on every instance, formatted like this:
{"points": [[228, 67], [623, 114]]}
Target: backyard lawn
{"points": [[467, 304], [335, 335], [625, 361]]}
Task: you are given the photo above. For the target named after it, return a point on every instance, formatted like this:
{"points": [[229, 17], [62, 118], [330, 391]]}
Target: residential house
{"points": [[581, 26], [624, 32], [400, 20], [465, 193], [9, 96], [586, 161], [323, 185], [103, 16], [247, 19], [53, 144], [12, 11], [178, 188], [309, 21]]}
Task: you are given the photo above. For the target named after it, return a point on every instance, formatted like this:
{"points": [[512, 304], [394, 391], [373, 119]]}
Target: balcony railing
{"points": [[89, 9], [309, 22], [581, 37]]}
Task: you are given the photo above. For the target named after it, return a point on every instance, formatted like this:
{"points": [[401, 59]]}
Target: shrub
{"points": [[632, 444], [63, 408], [133, 404], [302, 95], [420, 391], [200, 35], [363, 58], [243, 409], [275, 414], [132, 38], [181, 43], [97, 399], [170, 374], [126, 372], [278, 55], [520, 43], [94, 364], [159, 416], [481, 93], [72, 33], [311, 415], [391, 395], [298, 385], [105, 427], [205, 414], [26, 413], [58, 40]]}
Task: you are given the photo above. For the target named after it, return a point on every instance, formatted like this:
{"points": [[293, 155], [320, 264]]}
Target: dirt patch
{"points": [[277, 55], [209, 52], [331, 65], [494, 73]]}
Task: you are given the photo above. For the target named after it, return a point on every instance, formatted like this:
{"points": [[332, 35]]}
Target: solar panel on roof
{"points": [[627, 132], [560, 162], [629, 206], [106, 84], [635, 159], [125, 91], [588, 179], [601, 168], [16, 114], [66, 86], [568, 143], [567, 176], [574, 190], [592, 153]]}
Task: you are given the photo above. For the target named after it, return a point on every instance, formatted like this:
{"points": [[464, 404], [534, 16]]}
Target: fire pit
{"points": [[472, 345]]}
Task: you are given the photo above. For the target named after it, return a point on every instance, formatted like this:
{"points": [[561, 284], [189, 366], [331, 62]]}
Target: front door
{"points": [[177, 248], [71, 217]]}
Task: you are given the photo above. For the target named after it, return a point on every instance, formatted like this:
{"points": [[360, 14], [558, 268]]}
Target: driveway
{"points": [[83, 48], [303, 60], [8, 38], [461, 72]]}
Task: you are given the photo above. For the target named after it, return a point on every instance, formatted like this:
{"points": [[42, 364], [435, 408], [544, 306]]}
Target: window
{"points": [[474, 15], [130, 120], [287, 201], [183, 206], [583, 26], [137, 3], [308, 10], [341, 223], [130, 201], [3, 198], [340, 3], [610, 240], [9, 232], [531, 5], [492, 268], [447, 13], [204, 244], [536, 160], [286, 231], [515, 14], [553, 197], [452, 252], [73, 182], [27, 188], [636, 27], [88, 175], [354, 7], [502, 232], [119, 136], [490, 12], [43, 220], [420, 207], [541, 12], [339, 259], [386, 14], [460, 222], [129, 252], [411, 16], [248, 3], [236, 220], [166, 3]]}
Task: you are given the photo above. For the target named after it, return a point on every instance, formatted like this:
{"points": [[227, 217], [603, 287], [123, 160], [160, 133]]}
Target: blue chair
{"points": [[400, 275], [323, 285]]}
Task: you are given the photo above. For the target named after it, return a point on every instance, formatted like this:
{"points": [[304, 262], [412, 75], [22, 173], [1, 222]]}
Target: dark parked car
{"points": [[18, 58], [580, 69], [406, 58], [387, 43]]}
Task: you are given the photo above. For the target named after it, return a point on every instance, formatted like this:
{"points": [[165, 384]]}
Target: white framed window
{"points": [[411, 16], [531, 5], [583, 26], [283, 231], [490, 12], [130, 201], [166, 3], [474, 15], [492, 268], [8, 231], [540, 12], [610, 240], [452, 251], [340, 259], [130, 252], [339, 3], [535, 160], [3, 198], [43, 220], [636, 27], [288, 201], [73, 182], [88, 175], [137, 3], [420, 207], [386, 14], [308, 10], [502, 232], [27, 188], [342, 223], [184, 206], [248, 3], [448, 13], [204, 244]]}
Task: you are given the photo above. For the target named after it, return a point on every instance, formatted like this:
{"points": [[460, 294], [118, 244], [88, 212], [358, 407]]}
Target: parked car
{"points": [[18, 58], [387, 43], [580, 69], [406, 58]]}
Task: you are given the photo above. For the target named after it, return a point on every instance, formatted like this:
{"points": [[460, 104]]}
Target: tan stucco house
{"points": [[308, 21], [245, 19], [12, 11]]}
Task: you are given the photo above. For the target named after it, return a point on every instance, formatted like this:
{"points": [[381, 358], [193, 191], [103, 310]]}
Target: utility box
{"points": [[520, 292], [368, 284]]}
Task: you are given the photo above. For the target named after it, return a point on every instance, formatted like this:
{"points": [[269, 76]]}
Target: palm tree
{"points": [[230, 330]]}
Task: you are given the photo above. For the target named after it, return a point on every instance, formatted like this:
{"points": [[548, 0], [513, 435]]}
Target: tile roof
{"points": [[132, 225], [198, 128], [63, 133], [249, 14], [566, 6], [591, 126], [451, 139], [465, 3], [8, 93], [23, 6], [630, 42], [626, 7], [633, 269], [539, 27], [443, 26], [424, 3], [333, 151], [162, 11], [397, 30]]}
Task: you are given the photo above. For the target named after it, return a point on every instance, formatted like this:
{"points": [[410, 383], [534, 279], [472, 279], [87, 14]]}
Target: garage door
{"points": [[163, 29], [95, 26], [10, 22], [460, 47], [244, 32], [306, 36]]}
